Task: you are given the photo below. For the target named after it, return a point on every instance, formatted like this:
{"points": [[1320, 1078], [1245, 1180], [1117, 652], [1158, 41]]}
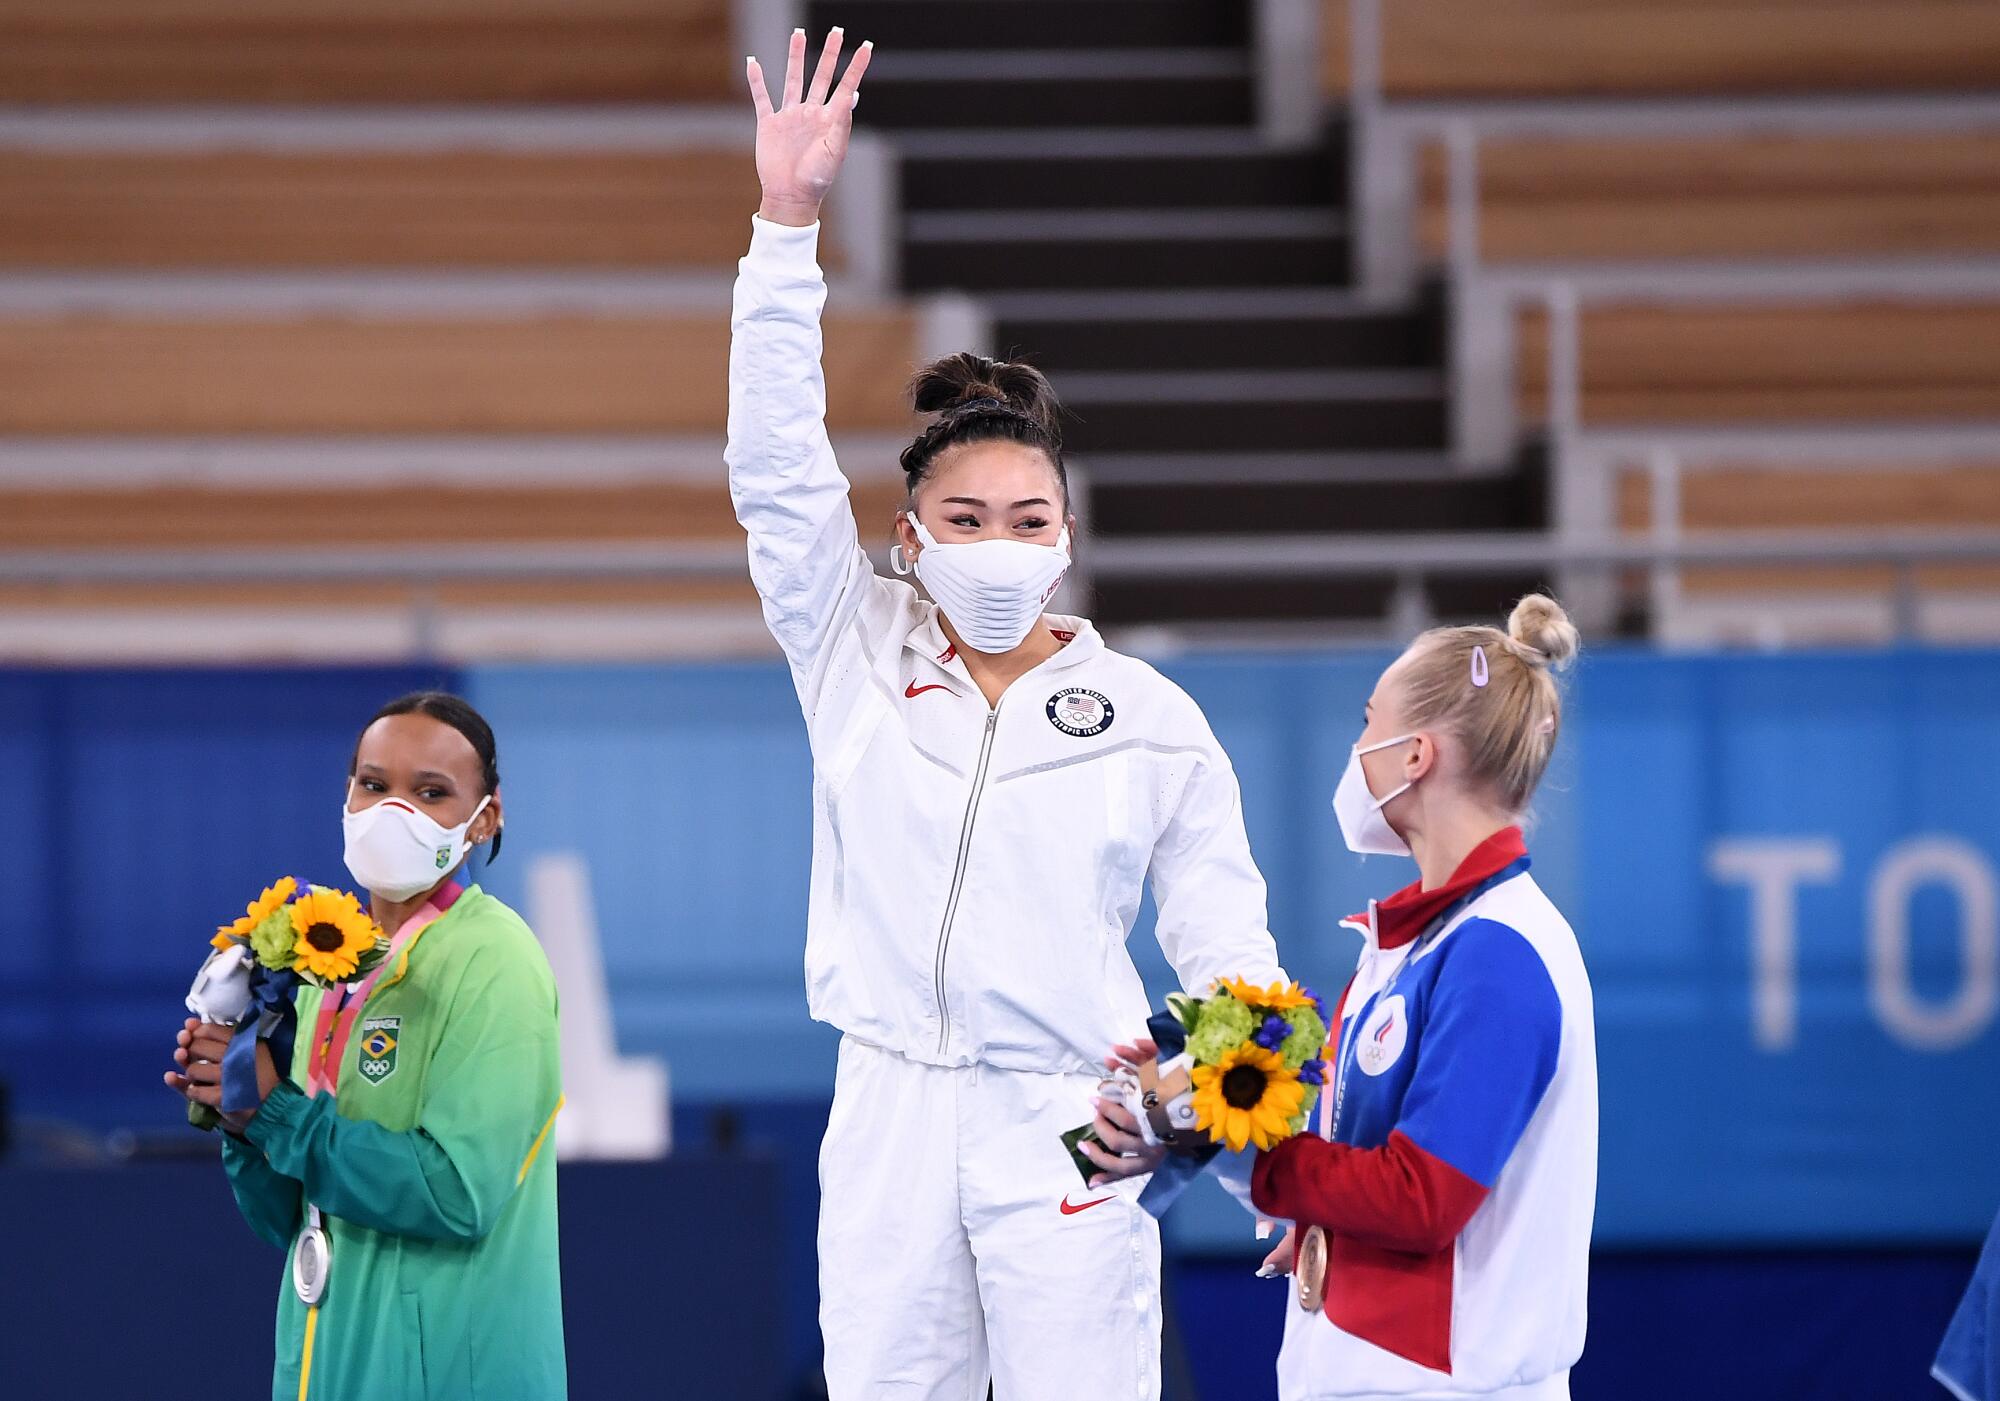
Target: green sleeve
{"points": [[271, 1202], [492, 1088]]}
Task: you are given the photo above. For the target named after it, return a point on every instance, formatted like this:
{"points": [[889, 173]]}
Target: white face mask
{"points": [[395, 851], [1366, 830], [992, 590]]}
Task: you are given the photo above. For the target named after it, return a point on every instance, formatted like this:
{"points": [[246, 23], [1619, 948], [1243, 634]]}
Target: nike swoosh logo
{"points": [[913, 690], [1070, 1209]]}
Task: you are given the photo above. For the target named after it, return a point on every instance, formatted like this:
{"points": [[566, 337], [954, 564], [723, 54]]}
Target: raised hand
{"points": [[802, 142]]}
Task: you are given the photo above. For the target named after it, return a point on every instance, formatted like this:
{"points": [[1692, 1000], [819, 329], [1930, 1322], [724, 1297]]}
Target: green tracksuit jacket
{"points": [[434, 1176]]}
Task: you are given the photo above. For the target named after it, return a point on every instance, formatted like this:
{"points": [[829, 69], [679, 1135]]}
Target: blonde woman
{"points": [[1443, 1210]]}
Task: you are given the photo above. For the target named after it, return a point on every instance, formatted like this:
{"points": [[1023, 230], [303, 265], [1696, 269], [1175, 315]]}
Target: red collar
{"points": [[1409, 912]]}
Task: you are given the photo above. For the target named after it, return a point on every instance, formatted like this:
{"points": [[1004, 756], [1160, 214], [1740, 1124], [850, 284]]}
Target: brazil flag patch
{"points": [[378, 1048]]}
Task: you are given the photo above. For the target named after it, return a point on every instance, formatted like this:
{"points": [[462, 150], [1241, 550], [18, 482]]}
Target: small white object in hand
{"points": [[221, 991], [1123, 1087]]}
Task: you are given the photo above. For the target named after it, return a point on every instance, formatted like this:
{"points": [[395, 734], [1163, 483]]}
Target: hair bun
{"points": [[1539, 625], [965, 378]]}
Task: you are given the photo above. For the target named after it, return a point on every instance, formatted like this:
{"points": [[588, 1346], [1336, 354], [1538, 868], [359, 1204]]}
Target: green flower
{"points": [[1299, 1120], [1307, 1039], [272, 939], [1224, 1024]]}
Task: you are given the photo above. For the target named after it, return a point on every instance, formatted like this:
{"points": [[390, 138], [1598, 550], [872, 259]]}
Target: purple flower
{"points": [[1313, 1072], [1273, 1032], [1318, 1002]]}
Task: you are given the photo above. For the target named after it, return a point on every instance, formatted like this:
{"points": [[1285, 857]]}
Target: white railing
{"points": [[1488, 300], [1408, 558]]}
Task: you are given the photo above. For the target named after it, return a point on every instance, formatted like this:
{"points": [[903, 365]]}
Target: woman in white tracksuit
{"points": [[992, 787]]}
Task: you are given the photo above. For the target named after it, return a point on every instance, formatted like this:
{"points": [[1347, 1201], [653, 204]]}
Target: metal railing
{"points": [[1483, 351]]}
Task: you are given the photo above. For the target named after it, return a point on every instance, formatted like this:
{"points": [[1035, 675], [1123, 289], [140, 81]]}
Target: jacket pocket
{"points": [[415, 1345]]}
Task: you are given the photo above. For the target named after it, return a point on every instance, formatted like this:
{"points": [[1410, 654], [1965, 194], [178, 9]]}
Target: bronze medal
{"points": [[1310, 1269]]}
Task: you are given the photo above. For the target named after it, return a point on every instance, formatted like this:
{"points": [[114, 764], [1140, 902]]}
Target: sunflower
{"points": [[333, 933], [262, 908], [1279, 997], [1247, 1097]]}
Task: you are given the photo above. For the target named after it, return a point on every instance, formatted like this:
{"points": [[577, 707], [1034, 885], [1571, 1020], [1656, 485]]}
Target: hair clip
{"points": [[1480, 675], [1547, 727]]}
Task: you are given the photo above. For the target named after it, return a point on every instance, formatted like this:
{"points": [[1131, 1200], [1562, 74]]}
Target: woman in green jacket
{"points": [[416, 1188]]}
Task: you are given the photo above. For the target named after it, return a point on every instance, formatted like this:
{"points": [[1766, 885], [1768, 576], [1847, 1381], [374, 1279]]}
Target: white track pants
{"points": [[955, 1244]]}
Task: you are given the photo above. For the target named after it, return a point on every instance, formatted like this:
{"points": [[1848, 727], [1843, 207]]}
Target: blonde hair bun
{"points": [[1539, 625]]}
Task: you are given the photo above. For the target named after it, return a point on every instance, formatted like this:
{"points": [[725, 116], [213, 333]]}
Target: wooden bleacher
{"points": [[159, 376], [415, 154], [685, 209], [1723, 496], [366, 51], [1738, 197], [182, 516], [1482, 49], [490, 617], [1749, 364]]}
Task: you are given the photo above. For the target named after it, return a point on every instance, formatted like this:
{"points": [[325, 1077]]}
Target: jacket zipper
{"points": [[958, 875]]}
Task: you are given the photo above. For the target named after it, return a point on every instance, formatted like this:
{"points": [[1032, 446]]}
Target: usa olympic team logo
{"points": [[1383, 1036], [1080, 713]]}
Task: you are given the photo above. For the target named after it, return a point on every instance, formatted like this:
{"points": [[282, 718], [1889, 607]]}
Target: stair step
{"points": [[1332, 411], [998, 24], [1045, 249], [1240, 469], [1231, 387], [1180, 603], [1289, 332], [1515, 501], [1060, 88], [1151, 224], [1130, 600], [984, 144], [1126, 173]]}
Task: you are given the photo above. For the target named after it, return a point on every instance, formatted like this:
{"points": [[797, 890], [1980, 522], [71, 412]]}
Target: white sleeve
{"points": [[1212, 916], [805, 557], [1233, 1171]]}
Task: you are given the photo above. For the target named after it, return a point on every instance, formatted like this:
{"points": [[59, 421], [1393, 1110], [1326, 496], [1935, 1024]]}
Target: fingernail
{"points": [[867, 43], [1266, 1272], [800, 30], [836, 30]]}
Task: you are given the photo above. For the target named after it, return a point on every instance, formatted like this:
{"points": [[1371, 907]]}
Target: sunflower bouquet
{"points": [[1242, 1066], [283, 938]]}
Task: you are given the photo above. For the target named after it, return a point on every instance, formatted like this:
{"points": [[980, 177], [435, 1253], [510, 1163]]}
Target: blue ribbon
{"points": [[270, 998], [1175, 1174], [1168, 1034], [1178, 1170]]}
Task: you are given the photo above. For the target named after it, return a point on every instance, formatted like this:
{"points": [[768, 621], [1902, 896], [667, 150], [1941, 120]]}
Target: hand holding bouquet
{"points": [[1241, 1066], [282, 938]]}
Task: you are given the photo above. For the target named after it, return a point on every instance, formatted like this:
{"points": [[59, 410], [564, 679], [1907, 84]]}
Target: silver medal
{"points": [[312, 1256]]}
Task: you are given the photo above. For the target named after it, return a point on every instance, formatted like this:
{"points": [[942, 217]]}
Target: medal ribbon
{"points": [[341, 1007]]}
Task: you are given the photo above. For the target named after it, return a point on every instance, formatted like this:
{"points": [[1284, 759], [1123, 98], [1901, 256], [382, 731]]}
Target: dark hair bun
{"points": [[965, 378]]}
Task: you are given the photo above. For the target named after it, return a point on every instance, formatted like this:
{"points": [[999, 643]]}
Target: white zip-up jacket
{"points": [[976, 871]]}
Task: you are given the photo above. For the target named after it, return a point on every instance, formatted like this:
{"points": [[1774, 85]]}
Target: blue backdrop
{"points": [[1782, 870]]}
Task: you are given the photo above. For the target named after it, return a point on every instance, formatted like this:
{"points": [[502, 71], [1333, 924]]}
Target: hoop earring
{"points": [[900, 562]]}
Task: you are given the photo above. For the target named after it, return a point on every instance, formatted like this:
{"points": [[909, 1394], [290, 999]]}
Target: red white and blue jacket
{"points": [[1455, 1171]]}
